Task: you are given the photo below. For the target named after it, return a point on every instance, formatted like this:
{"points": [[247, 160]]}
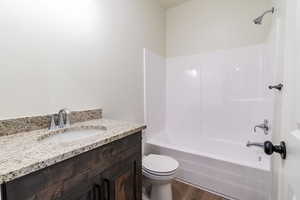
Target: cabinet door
{"points": [[90, 189], [94, 193], [88, 195], [123, 182]]}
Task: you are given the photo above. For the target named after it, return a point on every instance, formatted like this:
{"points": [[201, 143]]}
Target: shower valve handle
{"points": [[270, 149], [265, 126], [277, 87]]}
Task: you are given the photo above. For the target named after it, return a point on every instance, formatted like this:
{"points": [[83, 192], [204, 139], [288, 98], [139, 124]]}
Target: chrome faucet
{"points": [[64, 118], [264, 126], [256, 144]]}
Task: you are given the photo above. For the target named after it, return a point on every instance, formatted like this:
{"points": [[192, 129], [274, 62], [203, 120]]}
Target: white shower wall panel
{"points": [[155, 92], [219, 95]]}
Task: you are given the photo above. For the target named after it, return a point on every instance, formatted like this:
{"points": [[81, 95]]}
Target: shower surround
{"points": [[212, 102]]}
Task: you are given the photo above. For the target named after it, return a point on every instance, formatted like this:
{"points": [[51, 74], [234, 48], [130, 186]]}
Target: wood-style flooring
{"points": [[182, 191]]}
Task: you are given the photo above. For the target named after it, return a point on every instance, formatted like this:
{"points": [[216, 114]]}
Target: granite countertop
{"points": [[24, 153]]}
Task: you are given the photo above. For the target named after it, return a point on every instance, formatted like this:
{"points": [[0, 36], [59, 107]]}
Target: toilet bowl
{"points": [[160, 170]]}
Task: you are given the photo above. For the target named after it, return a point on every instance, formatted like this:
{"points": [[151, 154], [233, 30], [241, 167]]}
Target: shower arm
{"points": [[259, 19], [268, 11]]}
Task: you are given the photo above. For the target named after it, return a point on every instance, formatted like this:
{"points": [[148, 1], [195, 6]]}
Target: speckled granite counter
{"points": [[23, 153]]}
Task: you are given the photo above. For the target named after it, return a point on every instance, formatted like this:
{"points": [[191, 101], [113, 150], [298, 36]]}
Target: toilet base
{"points": [[144, 197], [161, 192]]}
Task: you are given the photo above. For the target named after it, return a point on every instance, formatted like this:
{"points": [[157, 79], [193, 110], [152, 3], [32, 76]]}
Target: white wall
{"points": [[199, 26], [76, 54]]}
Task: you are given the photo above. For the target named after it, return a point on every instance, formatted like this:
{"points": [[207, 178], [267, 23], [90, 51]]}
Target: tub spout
{"points": [[249, 144]]}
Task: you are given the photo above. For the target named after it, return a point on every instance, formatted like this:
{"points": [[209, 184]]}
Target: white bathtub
{"points": [[231, 170]]}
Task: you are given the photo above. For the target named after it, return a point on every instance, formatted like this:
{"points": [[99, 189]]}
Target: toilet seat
{"points": [[158, 173], [159, 165], [155, 177]]}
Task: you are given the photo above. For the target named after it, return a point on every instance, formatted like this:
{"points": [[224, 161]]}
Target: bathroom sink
{"points": [[72, 134]]}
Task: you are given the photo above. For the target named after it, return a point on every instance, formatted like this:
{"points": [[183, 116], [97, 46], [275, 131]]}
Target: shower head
{"points": [[259, 19]]}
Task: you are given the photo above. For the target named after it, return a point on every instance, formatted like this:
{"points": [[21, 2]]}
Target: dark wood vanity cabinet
{"points": [[124, 181], [110, 172]]}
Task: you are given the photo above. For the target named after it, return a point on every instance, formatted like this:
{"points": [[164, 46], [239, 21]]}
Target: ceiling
{"points": [[171, 3]]}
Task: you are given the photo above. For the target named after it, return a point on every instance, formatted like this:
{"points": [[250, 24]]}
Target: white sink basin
{"points": [[72, 134]]}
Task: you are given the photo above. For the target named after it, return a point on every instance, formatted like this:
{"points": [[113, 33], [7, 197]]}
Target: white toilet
{"points": [[159, 171]]}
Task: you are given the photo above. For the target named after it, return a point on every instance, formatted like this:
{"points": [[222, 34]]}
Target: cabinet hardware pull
{"points": [[97, 192], [106, 193]]}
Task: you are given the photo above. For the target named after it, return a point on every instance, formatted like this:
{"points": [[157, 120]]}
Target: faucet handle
{"points": [[52, 123], [68, 121], [265, 126]]}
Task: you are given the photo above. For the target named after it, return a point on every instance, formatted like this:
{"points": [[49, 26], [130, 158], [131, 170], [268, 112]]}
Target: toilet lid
{"points": [[159, 164]]}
